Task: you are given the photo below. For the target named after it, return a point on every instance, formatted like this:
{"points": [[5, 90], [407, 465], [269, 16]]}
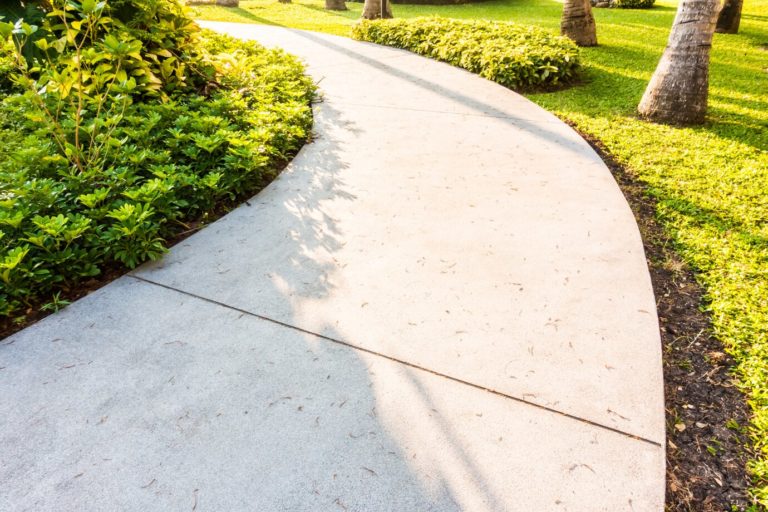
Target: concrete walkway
{"points": [[442, 304]]}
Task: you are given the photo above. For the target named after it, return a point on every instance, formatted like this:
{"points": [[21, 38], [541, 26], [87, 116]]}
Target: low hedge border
{"points": [[515, 56]]}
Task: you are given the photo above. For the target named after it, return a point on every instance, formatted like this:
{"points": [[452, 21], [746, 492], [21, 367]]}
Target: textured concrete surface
{"points": [[141, 398], [442, 304], [490, 244]]}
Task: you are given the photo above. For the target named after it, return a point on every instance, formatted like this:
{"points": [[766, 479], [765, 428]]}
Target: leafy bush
{"points": [[514, 56], [7, 66], [633, 4], [108, 156]]}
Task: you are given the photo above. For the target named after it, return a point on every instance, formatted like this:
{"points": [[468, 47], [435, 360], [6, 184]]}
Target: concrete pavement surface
{"points": [[441, 304]]}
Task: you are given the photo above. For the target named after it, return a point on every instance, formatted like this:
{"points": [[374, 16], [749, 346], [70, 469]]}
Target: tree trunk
{"points": [[335, 5], [578, 23], [677, 92], [228, 3], [730, 17], [372, 9]]}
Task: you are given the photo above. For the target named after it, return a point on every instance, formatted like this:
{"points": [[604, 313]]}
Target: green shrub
{"points": [[7, 66], [161, 34], [107, 157], [32, 13], [513, 55], [633, 4]]}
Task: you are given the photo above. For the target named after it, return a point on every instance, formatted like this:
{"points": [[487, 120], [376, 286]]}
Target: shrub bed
{"points": [[515, 56], [110, 154]]}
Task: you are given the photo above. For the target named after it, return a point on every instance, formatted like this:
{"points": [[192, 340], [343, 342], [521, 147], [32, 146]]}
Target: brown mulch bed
{"points": [[705, 412]]}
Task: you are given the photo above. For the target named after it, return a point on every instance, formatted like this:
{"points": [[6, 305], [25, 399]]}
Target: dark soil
{"points": [[34, 313], [706, 414]]}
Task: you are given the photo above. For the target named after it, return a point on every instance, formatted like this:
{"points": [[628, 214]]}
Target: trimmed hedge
{"points": [[515, 56], [216, 129]]}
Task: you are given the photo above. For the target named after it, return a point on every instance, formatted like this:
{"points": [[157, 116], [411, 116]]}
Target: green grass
{"points": [[711, 182]]}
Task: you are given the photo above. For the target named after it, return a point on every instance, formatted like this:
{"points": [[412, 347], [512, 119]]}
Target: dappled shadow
{"points": [[726, 225], [537, 127], [259, 414], [753, 17], [741, 128], [250, 16], [348, 14], [275, 257], [455, 448], [308, 237], [736, 108], [299, 276]]}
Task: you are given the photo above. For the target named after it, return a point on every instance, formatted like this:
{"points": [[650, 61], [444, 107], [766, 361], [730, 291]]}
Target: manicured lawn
{"points": [[711, 182]]}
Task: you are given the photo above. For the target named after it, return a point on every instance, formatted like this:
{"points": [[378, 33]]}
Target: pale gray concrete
{"points": [[138, 396], [442, 304], [454, 225]]}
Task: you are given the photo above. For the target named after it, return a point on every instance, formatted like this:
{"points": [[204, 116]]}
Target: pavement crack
{"points": [[521, 400]]}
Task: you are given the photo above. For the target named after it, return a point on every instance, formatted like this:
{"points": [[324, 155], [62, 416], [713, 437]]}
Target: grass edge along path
{"points": [[709, 182]]}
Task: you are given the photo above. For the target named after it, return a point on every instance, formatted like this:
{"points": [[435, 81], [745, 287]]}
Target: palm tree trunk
{"points": [[578, 23], [730, 17], [372, 9], [677, 92], [335, 5]]}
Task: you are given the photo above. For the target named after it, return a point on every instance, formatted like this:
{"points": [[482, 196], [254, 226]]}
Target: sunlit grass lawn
{"points": [[711, 182]]}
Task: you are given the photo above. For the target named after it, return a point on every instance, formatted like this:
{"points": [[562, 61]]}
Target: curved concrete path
{"points": [[442, 304]]}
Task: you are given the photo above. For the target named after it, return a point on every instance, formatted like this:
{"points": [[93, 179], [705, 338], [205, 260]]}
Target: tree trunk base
{"points": [[673, 118], [578, 23], [377, 15], [730, 17], [335, 5], [678, 90]]}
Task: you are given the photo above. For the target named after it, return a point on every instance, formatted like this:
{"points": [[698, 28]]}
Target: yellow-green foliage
{"points": [[110, 146], [7, 66], [515, 56]]}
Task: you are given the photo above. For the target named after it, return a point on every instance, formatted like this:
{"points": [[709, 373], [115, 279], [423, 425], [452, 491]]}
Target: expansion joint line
{"points": [[399, 361]]}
